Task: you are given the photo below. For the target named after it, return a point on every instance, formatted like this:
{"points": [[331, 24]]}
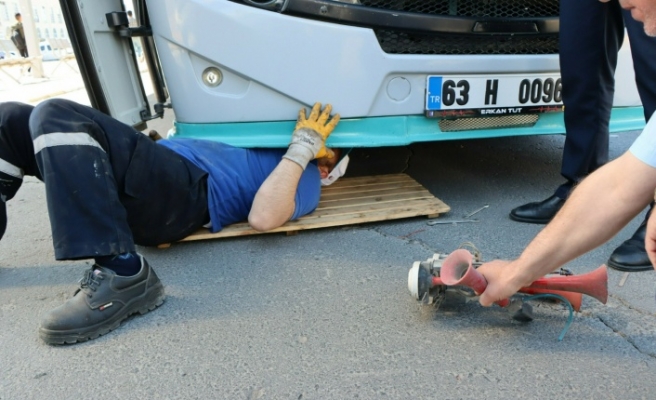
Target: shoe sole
{"points": [[627, 268], [153, 299], [529, 220]]}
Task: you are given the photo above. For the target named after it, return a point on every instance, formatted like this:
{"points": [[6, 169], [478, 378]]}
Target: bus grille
{"points": [[399, 42], [474, 123], [472, 8]]}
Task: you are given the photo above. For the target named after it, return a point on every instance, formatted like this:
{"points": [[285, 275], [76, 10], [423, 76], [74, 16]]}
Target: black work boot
{"points": [[102, 302], [631, 255]]}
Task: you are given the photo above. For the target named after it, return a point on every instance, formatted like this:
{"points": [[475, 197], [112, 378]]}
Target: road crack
{"points": [[626, 337], [629, 322]]}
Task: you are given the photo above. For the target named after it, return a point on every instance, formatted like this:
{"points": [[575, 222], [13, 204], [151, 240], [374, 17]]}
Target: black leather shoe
{"points": [[103, 301], [631, 255], [539, 212]]}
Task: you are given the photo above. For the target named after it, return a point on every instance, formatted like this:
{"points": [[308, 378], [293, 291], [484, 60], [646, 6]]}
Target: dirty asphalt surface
{"points": [[327, 314]]}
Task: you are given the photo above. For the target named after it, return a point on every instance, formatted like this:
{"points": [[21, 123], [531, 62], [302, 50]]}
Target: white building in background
{"points": [[47, 15]]}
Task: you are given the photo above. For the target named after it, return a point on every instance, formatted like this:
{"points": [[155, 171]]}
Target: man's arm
{"points": [[597, 209], [274, 204]]}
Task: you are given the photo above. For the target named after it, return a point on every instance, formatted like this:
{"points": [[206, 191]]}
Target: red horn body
{"points": [[437, 281], [457, 270], [594, 284]]}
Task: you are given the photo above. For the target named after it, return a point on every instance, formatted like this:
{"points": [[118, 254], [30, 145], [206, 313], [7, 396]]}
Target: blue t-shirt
{"points": [[236, 174]]}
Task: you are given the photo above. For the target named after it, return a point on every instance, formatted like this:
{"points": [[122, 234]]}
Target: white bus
{"points": [[397, 71]]}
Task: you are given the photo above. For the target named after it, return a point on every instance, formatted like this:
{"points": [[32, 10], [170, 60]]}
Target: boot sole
{"points": [[530, 220], [629, 268], [153, 299]]}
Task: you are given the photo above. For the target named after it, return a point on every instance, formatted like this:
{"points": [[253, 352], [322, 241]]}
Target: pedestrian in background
{"points": [[18, 36]]}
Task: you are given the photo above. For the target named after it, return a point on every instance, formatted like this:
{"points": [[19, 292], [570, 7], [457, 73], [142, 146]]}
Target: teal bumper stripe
{"points": [[387, 131]]}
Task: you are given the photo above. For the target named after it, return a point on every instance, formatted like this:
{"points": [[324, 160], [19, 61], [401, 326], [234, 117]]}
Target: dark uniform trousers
{"points": [[591, 34], [109, 186]]}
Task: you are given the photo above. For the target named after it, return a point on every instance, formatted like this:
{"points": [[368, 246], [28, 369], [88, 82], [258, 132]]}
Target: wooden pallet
{"points": [[352, 201]]}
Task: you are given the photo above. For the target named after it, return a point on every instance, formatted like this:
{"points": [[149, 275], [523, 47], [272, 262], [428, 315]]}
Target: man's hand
{"points": [[650, 239], [309, 137], [501, 283], [319, 124]]}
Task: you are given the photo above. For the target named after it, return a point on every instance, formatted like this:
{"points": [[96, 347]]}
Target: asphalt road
{"points": [[327, 314]]}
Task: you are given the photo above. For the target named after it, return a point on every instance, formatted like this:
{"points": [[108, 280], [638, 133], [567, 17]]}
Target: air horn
{"points": [[429, 282], [457, 270]]}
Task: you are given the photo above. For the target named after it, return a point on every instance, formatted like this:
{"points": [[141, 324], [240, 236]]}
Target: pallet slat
{"points": [[367, 201], [364, 180], [377, 195], [352, 201], [345, 191]]}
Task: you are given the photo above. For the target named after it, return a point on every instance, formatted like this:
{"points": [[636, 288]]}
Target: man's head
{"points": [[643, 11], [129, 13], [18, 17], [331, 168], [327, 164]]}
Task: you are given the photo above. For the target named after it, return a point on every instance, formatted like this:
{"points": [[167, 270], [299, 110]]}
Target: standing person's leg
{"points": [[631, 255], [588, 86], [591, 33], [91, 166]]}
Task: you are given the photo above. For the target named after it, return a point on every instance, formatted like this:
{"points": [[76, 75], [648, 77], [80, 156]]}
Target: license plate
{"points": [[476, 95]]}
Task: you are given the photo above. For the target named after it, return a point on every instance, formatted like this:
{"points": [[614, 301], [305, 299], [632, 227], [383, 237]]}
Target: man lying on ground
{"points": [[109, 187]]}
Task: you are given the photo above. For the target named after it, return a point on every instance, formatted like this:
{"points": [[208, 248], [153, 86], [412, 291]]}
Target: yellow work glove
{"points": [[309, 137]]}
